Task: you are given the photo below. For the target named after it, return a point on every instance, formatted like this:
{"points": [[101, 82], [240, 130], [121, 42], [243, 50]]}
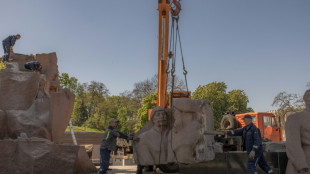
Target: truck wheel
{"points": [[229, 122], [169, 168]]}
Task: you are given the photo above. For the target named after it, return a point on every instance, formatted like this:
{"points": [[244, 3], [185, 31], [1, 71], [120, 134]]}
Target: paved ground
{"points": [[127, 169], [122, 169]]}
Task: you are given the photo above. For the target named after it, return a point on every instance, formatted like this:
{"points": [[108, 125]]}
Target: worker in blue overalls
{"points": [[8, 44], [252, 143]]}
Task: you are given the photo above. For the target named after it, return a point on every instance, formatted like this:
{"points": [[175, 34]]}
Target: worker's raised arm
{"points": [[123, 135], [237, 132], [294, 150], [120, 134]]}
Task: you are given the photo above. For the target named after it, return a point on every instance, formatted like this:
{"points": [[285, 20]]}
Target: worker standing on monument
{"points": [[252, 143], [8, 44], [108, 144]]}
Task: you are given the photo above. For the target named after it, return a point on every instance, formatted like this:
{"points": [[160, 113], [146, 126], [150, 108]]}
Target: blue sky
{"points": [[262, 47]]}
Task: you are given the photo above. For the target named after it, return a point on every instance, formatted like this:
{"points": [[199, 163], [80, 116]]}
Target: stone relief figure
{"points": [[191, 119], [153, 143], [298, 139], [177, 134]]}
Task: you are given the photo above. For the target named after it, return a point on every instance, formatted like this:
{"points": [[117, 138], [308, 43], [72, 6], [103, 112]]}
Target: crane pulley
{"points": [[176, 8]]}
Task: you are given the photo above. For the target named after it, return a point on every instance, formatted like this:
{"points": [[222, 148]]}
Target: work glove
{"points": [[303, 170], [252, 154], [11, 50]]}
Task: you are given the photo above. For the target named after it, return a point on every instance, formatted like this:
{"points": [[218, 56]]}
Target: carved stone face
{"points": [[160, 119]]}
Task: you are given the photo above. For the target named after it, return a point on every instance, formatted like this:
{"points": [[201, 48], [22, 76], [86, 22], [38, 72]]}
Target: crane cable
{"points": [[175, 38], [181, 50]]}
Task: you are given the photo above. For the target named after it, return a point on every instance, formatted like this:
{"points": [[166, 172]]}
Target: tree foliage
{"points": [[149, 86], [144, 110], [215, 92], [68, 82], [237, 100], [287, 103], [94, 106]]}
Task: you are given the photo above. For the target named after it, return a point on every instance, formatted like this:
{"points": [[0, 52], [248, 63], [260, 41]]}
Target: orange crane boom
{"points": [[163, 38]]}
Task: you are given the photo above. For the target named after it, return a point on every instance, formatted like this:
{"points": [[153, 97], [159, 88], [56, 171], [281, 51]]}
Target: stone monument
{"points": [[298, 140], [177, 134], [34, 113]]}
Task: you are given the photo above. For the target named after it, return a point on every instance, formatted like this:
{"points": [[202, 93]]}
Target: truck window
{"points": [[267, 121], [273, 123], [253, 118]]}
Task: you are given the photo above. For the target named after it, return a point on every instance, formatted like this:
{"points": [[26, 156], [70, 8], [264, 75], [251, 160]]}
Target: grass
{"points": [[83, 129]]}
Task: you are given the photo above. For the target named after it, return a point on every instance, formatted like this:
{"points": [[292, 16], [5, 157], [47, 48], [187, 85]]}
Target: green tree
{"points": [[96, 122], [79, 114], [215, 92], [80, 111], [119, 107], [68, 82], [96, 95], [147, 103], [126, 123], [237, 101]]}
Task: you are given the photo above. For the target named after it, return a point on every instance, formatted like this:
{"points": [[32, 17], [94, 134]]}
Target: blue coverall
{"points": [[252, 141], [108, 144], [6, 43]]}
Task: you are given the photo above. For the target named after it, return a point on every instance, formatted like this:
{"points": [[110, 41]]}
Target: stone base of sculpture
{"points": [[34, 113]]}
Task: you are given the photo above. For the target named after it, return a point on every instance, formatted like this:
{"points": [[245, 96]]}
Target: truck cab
{"points": [[266, 122]]}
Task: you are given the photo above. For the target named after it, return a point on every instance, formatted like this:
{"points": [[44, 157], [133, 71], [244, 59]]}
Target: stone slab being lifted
{"points": [[177, 134], [34, 113]]}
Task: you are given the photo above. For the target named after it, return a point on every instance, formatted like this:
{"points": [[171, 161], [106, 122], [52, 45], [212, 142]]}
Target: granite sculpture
{"points": [[34, 113], [152, 147], [298, 140], [177, 134]]}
